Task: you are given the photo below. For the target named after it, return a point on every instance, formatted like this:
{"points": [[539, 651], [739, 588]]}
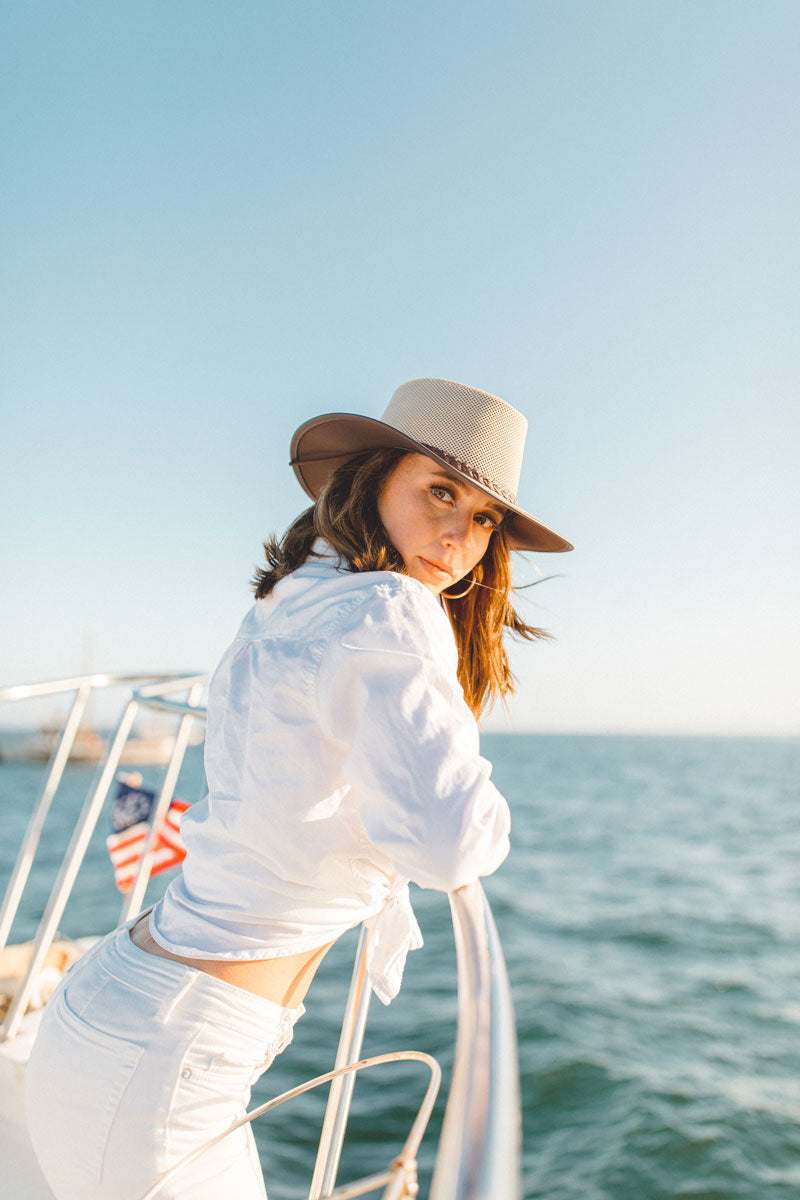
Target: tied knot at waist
{"points": [[393, 931]]}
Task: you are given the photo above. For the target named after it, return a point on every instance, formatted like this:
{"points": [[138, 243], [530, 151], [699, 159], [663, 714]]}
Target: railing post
{"points": [[66, 876], [27, 851], [340, 1095], [479, 1150], [135, 898]]}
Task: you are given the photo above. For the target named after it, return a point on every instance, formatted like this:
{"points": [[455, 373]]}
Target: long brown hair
{"points": [[346, 515]]}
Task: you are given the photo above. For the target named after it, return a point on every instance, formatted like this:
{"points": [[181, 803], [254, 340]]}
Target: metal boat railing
{"points": [[479, 1151], [151, 688], [337, 1110], [481, 1143], [478, 1157]]}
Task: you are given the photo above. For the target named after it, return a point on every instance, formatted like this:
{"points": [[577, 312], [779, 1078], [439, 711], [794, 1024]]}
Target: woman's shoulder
{"points": [[392, 593], [324, 595], [392, 610], [325, 576]]}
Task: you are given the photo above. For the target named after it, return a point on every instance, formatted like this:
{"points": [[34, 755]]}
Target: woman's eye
{"points": [[442, 493], [486, 521]]}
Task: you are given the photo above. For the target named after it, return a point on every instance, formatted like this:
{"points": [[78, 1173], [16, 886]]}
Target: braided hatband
{"points": [[466, 469]]}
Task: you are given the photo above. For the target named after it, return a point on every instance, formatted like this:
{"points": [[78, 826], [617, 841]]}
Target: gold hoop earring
{"points": [[460, 595]]}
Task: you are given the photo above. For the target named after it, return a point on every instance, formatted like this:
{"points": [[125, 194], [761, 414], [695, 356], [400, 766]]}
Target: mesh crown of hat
{"points": [[474, 427]]}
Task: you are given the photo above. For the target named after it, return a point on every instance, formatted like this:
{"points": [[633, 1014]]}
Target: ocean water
{"points": [[650, 917]]}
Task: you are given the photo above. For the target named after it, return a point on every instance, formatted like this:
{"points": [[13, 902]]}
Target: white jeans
{"points": [[138, 1060]]}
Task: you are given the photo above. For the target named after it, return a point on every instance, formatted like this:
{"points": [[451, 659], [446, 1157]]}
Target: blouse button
{"points": [[186, 1073]]}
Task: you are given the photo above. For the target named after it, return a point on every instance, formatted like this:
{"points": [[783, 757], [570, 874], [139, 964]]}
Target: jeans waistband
{"points": [[168, 982]]}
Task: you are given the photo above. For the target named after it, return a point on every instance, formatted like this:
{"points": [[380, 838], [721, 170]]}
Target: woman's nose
{"points": [[458, 531]]}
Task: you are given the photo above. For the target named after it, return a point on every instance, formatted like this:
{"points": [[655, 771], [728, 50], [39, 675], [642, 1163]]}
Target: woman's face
{"points": [[439, 525]]}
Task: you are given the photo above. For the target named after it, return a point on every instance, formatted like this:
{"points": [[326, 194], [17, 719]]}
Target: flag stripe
{"points": [[125, 847]]}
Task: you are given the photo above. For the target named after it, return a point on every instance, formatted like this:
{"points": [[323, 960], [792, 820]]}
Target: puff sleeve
{"points": [[388, 691]]}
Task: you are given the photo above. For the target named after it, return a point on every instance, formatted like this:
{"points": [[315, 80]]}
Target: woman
{"points": [[342, 761]]}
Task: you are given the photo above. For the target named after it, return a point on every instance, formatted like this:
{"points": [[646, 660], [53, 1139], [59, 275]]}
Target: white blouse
{"points": [[342, 761]]}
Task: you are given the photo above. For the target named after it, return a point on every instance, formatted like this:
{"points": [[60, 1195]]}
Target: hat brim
{"points": [[320, 445]]}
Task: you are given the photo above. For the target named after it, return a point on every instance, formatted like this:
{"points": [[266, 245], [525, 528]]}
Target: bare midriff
{"points": [[284, 981]]}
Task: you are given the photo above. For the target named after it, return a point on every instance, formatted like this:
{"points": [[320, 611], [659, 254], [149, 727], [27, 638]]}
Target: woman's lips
{"points": [[438, 568]]}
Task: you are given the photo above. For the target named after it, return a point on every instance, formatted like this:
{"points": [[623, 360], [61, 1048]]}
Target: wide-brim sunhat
{"points": [[472, 434]]}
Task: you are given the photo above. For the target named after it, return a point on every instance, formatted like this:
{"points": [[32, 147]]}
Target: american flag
{"points": [[130, 820]]}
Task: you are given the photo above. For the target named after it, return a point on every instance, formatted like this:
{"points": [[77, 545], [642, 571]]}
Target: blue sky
{"points": [[219, 220]]}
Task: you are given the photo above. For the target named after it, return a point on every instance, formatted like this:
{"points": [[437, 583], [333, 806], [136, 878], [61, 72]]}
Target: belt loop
{"points": [[175, 1000], [129, 924]]}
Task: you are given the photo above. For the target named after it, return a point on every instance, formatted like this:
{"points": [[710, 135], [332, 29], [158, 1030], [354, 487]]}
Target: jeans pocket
{"points": [[223, 1061], [211, 1091], [75, 1080]]}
